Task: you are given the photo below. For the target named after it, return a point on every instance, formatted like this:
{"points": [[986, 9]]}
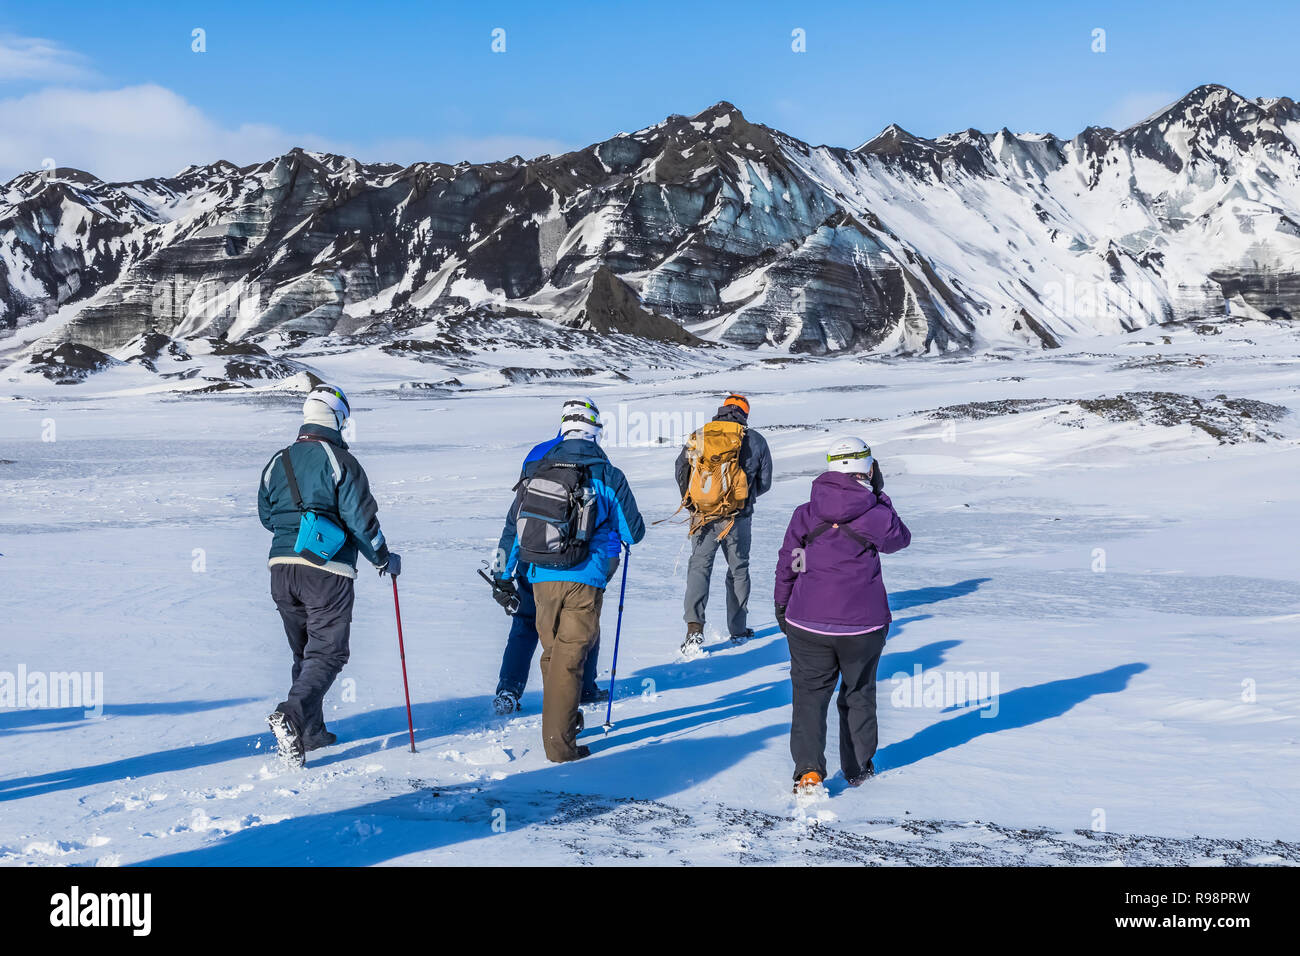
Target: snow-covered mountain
{"points": [[733, 231]]}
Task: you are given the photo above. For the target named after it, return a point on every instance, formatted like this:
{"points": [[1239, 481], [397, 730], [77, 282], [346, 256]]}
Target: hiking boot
{"points": [[861, 778], [505, 702], [323, 739], [743, 636], [694, 639], [596, 695], [808, 783], [288, 739]]}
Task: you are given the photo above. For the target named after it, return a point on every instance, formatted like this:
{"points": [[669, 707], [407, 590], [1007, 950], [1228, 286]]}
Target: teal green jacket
{"points": [[332, 483]]}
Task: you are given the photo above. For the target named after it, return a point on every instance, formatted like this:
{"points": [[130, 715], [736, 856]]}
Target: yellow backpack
{"points": [[718, 486]]}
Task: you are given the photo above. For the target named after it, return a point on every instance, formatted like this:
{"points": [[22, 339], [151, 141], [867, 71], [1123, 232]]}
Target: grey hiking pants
{"points": [[316, 608], [699, 572]]}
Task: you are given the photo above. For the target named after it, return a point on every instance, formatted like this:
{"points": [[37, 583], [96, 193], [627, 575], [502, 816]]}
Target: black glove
{"points": [[504, 593], [877, 478], [394, 565], [780, 617]]}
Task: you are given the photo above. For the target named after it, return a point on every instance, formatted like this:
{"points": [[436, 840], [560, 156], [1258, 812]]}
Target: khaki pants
{"points": [[568, 625]]}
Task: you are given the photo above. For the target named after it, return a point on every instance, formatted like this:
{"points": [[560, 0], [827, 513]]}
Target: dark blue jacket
{"points": [[332, 483]]}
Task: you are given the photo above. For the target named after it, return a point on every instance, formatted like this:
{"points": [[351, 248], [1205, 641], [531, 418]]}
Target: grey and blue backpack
{"points": [[556, 516]]}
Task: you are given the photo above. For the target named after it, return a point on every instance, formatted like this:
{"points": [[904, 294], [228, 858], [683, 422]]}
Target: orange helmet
{"points": [[740, 401]]}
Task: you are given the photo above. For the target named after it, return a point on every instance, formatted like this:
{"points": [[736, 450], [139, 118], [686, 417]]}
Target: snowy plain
{"points": [[1134, 588]]}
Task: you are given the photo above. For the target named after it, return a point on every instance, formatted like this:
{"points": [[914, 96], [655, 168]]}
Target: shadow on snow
{"points": [[375, 730]]}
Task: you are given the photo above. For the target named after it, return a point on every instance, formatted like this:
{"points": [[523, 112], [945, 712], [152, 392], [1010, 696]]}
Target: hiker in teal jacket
{"points": [[569, 599], [314, 597]]}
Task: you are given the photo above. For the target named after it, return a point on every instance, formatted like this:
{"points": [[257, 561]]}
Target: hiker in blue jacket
{"points": [[314, 594], [517, 660], [569, 566]]}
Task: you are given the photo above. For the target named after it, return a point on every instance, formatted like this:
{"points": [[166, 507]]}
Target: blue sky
{"points": [[115, 87]]}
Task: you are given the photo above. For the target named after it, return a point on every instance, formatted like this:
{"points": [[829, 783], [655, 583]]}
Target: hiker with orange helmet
{"points": [[723, 468]]}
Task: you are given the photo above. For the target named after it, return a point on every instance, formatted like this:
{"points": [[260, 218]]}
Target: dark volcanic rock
{"points": [[424, 350], [70, 363], [1227, 420], [516, 375], [151, 348], [977, 411], [611, 306]]}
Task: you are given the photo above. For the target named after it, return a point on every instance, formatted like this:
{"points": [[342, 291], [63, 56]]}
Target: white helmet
{"points": [[851, 456], [335, 404], [580, 418]]}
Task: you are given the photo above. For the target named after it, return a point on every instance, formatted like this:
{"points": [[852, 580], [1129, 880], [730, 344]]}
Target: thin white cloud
{"points": [[141, 131], [1137, 107], [129, 133], [45, 61]]}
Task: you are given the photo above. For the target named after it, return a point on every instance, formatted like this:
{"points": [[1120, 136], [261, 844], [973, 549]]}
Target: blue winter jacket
{"points": [[332, 483], [618, 520]]}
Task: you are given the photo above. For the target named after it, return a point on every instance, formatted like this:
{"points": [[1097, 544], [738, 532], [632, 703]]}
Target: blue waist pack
{"points": [[319, 538]]}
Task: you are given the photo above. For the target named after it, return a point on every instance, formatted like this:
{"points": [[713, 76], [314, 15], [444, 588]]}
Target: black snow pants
{"points": [[316, 608], [817, 663]]}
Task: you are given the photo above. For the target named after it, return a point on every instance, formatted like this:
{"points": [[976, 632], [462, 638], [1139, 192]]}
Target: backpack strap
{"points": [[289, 476], [825, 526], [861, 540], [815, 533]]}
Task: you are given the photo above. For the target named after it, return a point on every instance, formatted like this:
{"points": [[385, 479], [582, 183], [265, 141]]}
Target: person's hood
{"points": [[331, 435], [732, 413], [579, 451], [838, 497]]}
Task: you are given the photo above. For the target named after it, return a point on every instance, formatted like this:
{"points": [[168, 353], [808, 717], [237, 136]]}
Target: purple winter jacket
{"points": [[839, 590]]}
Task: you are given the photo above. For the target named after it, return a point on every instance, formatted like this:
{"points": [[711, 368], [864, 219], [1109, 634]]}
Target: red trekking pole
{"points": [[401, 649]]}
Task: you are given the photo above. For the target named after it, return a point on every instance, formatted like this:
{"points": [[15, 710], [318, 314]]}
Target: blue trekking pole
{"points": [[618, 628]]}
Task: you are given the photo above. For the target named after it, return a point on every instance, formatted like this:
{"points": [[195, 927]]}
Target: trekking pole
{"points": [[618, 628], [401, 649]]}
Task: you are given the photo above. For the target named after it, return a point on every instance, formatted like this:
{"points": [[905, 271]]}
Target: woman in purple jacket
{"points": [[831, 604]]}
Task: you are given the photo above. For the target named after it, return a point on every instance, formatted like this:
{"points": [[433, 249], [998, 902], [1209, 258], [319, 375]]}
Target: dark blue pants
{"points": [[316, 609], [521, 645]]}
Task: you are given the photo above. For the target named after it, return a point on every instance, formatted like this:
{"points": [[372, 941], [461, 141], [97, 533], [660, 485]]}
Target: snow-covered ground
{"points": [[1132, 587]]}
